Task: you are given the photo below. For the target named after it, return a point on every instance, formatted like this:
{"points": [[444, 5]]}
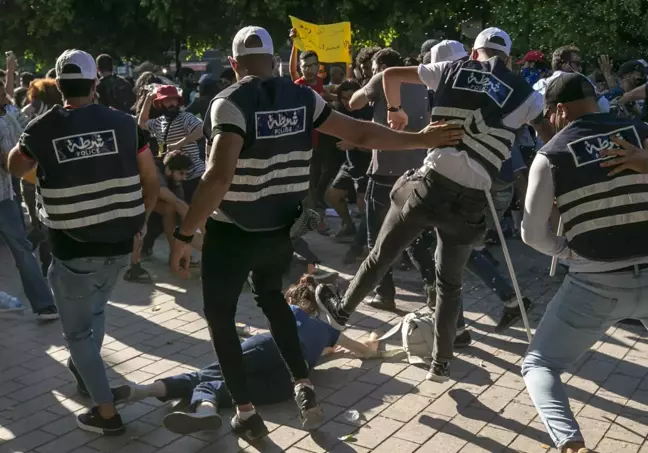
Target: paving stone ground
{"points": [[158, 330]]}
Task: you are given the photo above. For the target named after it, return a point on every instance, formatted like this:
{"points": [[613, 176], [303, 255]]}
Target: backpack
{"points": [[115, 91], [417, 333]]}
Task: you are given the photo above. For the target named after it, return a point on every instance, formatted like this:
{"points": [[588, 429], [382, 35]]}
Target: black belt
{"points": [[636, 267]]}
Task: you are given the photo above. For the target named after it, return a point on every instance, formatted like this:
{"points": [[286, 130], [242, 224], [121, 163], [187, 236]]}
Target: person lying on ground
{"points": [[268, 378]]}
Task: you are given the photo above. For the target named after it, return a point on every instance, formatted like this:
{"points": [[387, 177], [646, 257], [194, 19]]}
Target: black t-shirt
{"points": [[64, 247], [116, 92]]}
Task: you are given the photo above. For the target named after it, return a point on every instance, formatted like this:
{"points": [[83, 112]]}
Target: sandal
{"points": [[137, 274]]}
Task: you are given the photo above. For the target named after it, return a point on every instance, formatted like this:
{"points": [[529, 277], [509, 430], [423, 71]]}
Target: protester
{"points": [[89, 149], [113, 90], [364, 61], [208, 87], [534, 66], [20, 94], [606, 252], [448, 192], [267, 122]]}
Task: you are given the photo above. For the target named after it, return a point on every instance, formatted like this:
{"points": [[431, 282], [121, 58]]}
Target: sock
{"points": [[511, 303], [206, 408], [301, 385], [140, 392], [245, 415]]}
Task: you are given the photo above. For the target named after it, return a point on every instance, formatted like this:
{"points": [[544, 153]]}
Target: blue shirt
{"points": [[314, 335]]}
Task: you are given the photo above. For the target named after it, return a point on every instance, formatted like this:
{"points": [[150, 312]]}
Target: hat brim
{"points": [[168, 96], [522, 61]]}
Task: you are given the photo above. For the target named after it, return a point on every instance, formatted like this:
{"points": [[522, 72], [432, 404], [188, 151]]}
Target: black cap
{"points": [[568, 87], [631, 66]]}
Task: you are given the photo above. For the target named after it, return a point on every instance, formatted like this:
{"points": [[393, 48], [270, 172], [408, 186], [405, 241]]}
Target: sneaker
{"points": [[122, 394], [192, 422], [439, 372], [328, 302], [463, 339], [251, 429], [511, 315], [137, 274], [47, 314], [382, 303], [92, 421], [310, 412]]}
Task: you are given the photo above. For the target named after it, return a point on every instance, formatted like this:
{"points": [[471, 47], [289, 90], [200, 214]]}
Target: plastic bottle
{"points": [[10, 303]]}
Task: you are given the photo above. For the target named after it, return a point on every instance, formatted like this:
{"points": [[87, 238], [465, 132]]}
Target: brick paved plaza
{"points": [[157, 330]]}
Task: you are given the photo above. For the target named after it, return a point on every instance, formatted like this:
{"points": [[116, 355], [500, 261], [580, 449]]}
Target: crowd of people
{"points": [[234, 171]]}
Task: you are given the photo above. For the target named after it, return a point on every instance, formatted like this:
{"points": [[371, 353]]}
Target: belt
{"points": [[636, 268]]}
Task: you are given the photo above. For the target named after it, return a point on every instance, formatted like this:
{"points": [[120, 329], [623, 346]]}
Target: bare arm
{"points": [[366, 134], [11, 71], [292, 63], [169, 197], [149, 179], [215, 182], [18, 163], [358, 100], [356, 347], [143, 117], [637, 94], [392, 80]]}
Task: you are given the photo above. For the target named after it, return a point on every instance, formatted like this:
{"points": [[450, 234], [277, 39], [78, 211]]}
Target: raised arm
{"points": [[292, 64]]}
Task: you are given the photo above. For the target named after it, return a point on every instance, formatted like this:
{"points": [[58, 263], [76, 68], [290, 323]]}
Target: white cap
{"points": [[238, 45], [79, 58], [494, 38], [447, 50]]}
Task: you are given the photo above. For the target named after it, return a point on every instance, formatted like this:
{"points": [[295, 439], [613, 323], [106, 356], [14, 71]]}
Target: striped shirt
{"points": [[181, 126], [9, 134]]}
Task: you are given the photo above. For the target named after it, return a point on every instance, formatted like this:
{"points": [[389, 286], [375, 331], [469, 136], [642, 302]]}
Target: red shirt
{"points": [[319, 89]]}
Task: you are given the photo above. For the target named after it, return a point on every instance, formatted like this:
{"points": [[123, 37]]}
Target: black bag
{"points": [[115, 91]]}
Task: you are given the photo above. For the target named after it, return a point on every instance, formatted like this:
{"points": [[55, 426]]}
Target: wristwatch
{"points": [[394, 109], [181, 237]]}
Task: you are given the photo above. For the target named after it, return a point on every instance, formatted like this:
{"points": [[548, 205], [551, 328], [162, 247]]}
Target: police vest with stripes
{"points": [[605, 218], [272, 172], [479, 94], [88, 178]]}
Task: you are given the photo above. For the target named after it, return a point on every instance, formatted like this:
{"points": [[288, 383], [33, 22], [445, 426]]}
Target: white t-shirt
{"points": [[457, 165]]}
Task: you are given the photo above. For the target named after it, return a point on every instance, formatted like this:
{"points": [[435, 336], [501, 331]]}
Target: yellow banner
{"points": [[331, 42]]}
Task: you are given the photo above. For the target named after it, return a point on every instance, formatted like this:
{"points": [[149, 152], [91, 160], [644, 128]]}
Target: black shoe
{"points": [[47, 314], [191, 422], [511, 315], [328, 302], [310, 412], [382, 303], [463, 340], [81, 387], [430, 290], [95, 423], [492, 238], [439, 372], [137, 274], [251, 429], [489, 256]]}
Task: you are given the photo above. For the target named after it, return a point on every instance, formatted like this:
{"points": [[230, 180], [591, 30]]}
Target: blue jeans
{"points": [[12, 229], [81, 288], [267, 378], [584, 307]]}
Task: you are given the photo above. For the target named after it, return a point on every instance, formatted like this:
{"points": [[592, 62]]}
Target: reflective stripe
{"points": [[494, 143], [497, 132], [607, 222], [605, 203], [272, 190], [602, 187], [482, 151], [283, 173], [90, 220], [452, 111], [90, 188], [279, 158], [89, 204]]}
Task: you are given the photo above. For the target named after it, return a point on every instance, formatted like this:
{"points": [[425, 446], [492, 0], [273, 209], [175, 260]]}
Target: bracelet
{"points": [[182, 237]]}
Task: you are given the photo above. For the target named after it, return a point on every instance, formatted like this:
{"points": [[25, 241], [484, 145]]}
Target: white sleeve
{"points": [[537, 211], [226, 117], [430, 74], [528, 111]]}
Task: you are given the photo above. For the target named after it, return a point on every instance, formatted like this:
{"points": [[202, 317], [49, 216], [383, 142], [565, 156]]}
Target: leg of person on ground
{"points": [[336, 197], [34, 284], [82, 288], [584, 307]]}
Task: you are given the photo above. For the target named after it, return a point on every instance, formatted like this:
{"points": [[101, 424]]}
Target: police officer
{"points": [[482, 95], [260, 131], [605, 217], [96, 184]]}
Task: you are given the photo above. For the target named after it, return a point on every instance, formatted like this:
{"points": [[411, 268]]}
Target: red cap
{"points": [[166, 91], [532, 55]]}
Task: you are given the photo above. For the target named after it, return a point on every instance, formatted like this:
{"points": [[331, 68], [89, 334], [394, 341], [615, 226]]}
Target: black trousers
{"points": [[229, 256], [420, 201]]}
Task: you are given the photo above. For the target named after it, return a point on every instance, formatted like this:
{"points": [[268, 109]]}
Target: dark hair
{"points": [[366, 54], [146, 78], [51, 74], [184, 72], [631, 66], [388, 57], [105, 63], [177, 161], [74, 88], [26, 78], [410, 61], [44, 90], [427, 58], [308, 54], [428, 44], [491, 53], [563, 55], [302, 295], [597, 76], [347, 85], [209, 88], [228, 74]]}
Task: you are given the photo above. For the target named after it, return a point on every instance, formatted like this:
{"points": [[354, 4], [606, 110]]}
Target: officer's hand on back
{"points": [[628, 157], [397, 120], [440, 134]]}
